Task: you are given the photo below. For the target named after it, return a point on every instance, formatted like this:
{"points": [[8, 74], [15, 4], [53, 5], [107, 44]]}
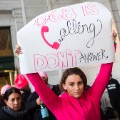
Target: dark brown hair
{"points": [[7, 94], [70, 71], [10, 91]]}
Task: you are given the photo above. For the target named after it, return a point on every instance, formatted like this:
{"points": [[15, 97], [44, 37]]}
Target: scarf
{"points": [[23, 111]]}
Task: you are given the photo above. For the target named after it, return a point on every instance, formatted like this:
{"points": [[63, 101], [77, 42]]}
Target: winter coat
{"points": [[113, 89], [36, 111], [23, 114], [25, 94]]}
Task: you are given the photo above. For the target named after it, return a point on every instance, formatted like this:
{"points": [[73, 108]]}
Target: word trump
{"points": [[67, 58]]}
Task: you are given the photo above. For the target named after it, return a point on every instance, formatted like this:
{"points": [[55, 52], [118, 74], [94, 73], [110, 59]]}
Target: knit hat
{"points": [[20, 81], [4, 89], [43, 74]]}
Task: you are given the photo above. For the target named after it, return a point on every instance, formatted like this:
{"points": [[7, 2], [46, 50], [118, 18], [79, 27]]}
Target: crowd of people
{"points": [[71, 100], [12, 107], [17, 102]]}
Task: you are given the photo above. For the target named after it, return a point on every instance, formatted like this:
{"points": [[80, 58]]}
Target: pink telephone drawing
{"points": [[55, 45]]}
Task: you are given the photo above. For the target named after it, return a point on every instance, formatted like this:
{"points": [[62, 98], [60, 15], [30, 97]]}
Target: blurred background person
{"points": [[113, 89], [13, 108], [36, 111]]}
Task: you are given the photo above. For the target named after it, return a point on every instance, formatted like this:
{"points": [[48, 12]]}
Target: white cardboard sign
{"points": [[70, 36]]}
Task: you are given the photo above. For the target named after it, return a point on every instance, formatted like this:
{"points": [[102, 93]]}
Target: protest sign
{"points": [[70, 36]]}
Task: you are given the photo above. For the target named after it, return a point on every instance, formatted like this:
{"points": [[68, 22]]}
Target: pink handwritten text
{"points": [[54, 16], [89, 10]]}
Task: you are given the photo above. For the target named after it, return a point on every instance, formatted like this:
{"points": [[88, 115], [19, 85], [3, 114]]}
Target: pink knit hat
{"points": [[43, 74], [4, 89], [20, 81]]}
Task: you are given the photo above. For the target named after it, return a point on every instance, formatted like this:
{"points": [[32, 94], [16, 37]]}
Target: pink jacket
{"points": [[66, 107]]}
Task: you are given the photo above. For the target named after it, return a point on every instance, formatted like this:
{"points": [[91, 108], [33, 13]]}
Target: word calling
{"points": [[74, 27]]}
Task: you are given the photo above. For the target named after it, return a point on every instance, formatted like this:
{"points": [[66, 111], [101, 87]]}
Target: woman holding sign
{"points": [[75, 103]]}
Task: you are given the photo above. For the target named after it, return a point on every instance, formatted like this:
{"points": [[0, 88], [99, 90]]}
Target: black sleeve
{"points": [[56, 89], [32, 96], [31, 105]]}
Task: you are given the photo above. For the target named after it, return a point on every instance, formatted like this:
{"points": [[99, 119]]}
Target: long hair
{"points": [[70, 71]]}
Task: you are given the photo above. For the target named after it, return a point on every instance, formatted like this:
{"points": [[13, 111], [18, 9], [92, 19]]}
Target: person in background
{"points": [[34, 95], [113, 89], [13, 108], [75, 103], [22, 84]]}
